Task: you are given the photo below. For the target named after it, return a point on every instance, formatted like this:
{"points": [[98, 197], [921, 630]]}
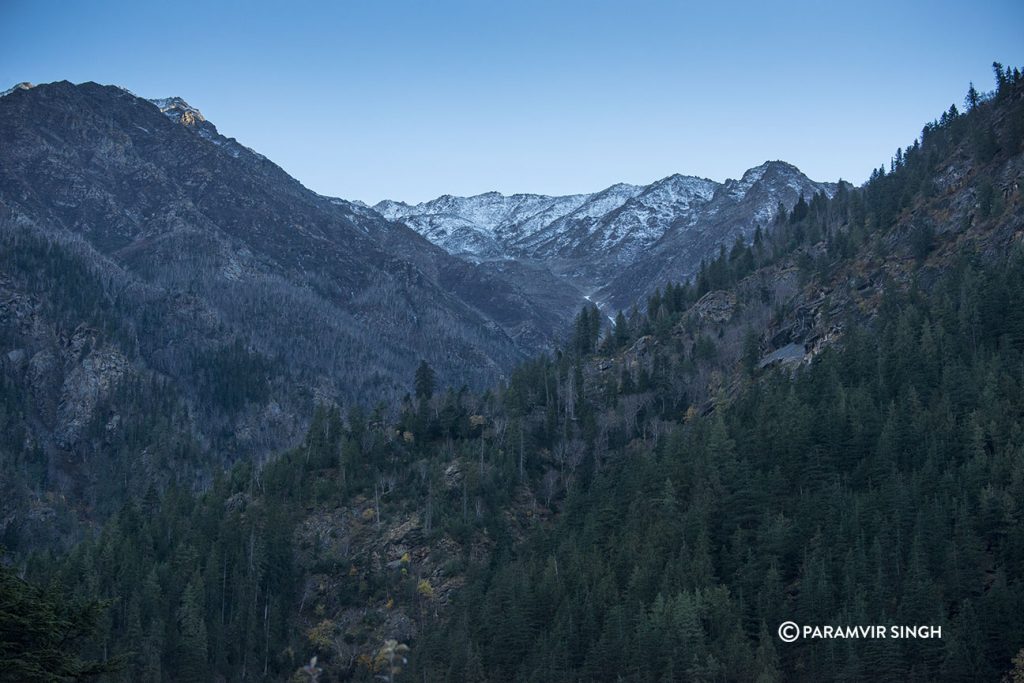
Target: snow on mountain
{"points": [[591, 238], [735, 209], [762, 188], [482, 226], [571, 229], [493, 225], [178, 110], [20, 86], [738, 188], [623, 218], [647, 216]]}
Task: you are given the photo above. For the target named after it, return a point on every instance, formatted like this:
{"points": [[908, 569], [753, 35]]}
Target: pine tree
{"points": [[972, 99], [192, 655], [41, 631], [424, 381]]}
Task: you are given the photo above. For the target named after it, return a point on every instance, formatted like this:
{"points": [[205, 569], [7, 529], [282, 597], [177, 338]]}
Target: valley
{"points": [[251, 432]]}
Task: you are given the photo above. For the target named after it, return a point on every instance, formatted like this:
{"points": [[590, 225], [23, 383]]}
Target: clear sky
{"points": [[372, 99]]}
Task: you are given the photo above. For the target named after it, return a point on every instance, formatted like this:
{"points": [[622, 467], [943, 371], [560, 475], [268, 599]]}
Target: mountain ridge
{"points": [[148, 259], [196, 259], [589, 239], [615, 245]]}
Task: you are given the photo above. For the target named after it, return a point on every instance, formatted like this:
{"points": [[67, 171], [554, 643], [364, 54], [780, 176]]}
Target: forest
{"points": [[649, 503]]}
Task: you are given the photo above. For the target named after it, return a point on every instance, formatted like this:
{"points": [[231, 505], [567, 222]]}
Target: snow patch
{"points": [[177, 109], [24, 85]]}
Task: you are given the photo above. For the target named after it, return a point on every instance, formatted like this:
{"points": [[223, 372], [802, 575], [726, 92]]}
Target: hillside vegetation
{"points": [[826, 426]]}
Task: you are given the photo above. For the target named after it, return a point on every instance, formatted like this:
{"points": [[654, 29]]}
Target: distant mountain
{"points": [[734, 211], [620, 242]]}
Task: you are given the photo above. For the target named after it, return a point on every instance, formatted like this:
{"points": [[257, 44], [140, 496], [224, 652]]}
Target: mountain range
{"points": [[822, 428], [190, 256], [619, 244], [199, 266]]}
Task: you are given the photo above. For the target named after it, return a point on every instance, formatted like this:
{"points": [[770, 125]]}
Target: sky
{"points": [[373, 99]]}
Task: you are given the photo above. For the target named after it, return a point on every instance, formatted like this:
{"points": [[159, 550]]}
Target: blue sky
{"points": [[410, 100]]}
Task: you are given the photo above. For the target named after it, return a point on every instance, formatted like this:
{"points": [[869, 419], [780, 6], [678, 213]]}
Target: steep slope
{"points": [[141, 248]]}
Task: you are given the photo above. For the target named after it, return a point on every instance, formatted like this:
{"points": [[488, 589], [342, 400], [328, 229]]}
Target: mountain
{"points": [[617, 244], [824, 428], [733, 212], [148, 260], [172, 300]]}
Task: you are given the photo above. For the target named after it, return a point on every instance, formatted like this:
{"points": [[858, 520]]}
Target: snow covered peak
{"points": [[772, 165], [647, 212], [738, 188], [481, 224], [178, 110], [391, 209], [683, 188], [591, 237], [760, 190], [621, 189], [770, 174]]}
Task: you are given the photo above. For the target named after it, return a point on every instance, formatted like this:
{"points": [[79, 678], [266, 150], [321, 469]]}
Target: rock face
{"points": [[621, 242], [716, 307]]}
